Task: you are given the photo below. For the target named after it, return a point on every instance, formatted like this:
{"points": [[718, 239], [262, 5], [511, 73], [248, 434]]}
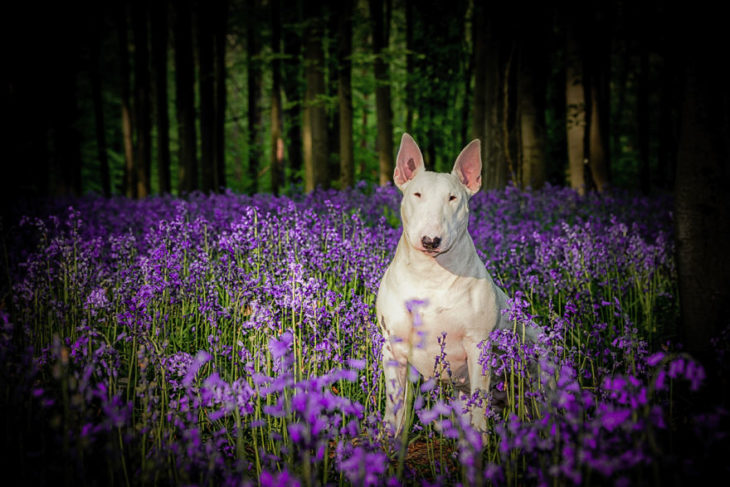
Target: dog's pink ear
{"points": [[468, 166], [409, 161]]}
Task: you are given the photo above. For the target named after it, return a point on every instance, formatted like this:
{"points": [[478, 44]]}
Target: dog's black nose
{"points": [[430, 243]]}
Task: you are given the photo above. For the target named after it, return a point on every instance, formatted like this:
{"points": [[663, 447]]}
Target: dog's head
{"points": [[435, 206]]}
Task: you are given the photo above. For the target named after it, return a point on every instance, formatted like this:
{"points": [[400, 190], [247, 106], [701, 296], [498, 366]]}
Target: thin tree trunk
{"points": [[495, 162], [575, 111], [185, 97], [598, 155], [207, 96], [344, 94], [130, 174], [532, 127], [410, 65], [142, 106], [292, 85], [384, 112], [277, 141], [598, 61], [220, 29], [95, 70], [253, 77], [314, 128], [159, 64], [642, 112], [478, 128]]}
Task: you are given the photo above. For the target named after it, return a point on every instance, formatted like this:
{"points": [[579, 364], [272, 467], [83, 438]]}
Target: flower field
{"points": [[231, 340]]}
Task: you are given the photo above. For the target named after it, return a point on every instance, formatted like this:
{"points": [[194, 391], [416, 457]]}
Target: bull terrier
{"points": [[436, 263]]}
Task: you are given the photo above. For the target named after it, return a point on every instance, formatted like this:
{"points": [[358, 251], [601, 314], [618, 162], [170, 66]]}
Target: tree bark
{"points": [[702, 199], [479, 96], [130, 174], [384, 112], [185, 96], [221, 98], [293, 88], [95, 70], [598, 60], [159, 66], [531, 115], [253, 78], [142, 105], [206, 85], [344, 93], [495, 163], [575, 111], [314, 127], [277, 140]]}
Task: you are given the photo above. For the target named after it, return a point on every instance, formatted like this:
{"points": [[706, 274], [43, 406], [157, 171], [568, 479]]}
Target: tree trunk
{"points": [[384, 112], [221, 99], [702, 199], [531, 117], [159, 65], [410, 65], [344, 94], [142, 105], [130, 174], [598, 61], [642, 116], [207, 95], [495, 163], [575, 111], [95, 70], [479, 96], [314, 128], [253, 77], [293, 87], [185, 96], [277, 141]]}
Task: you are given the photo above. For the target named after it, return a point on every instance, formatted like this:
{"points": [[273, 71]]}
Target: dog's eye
{"points": [[417, 195], [452, 197]]}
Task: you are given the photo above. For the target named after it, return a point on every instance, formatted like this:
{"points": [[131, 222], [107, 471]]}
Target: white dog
{"points": [[436, 262]]}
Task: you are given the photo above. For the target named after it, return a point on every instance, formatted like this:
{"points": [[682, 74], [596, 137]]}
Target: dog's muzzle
{"points": [[430, 243]]}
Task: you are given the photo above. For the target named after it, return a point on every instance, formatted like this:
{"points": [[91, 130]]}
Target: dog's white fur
{"points": [[436, 261]]}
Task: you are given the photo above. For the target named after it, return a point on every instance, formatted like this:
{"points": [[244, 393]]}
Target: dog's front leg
{"points": [[394, 372], [478, 381]]}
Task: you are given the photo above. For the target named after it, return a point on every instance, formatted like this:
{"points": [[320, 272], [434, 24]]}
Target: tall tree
{"points": [[253, 78], [292, 37], [130, 173], [380, 18], [344, 92], [479, 93], [220, 29], [531, 103], [597, 60], [277, 121], [702, 199], [142, 105], [185, 96], [95, 70], [159, 28], [575, 110], [314, 126], [498, 51], [206, 88]]}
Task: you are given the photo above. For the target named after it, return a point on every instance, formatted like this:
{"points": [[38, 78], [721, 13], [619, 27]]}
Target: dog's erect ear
{"points": [[468, 166], [409, 161]]}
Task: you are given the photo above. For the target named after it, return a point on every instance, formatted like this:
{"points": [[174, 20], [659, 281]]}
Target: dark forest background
{"points": [[134, 98], [143, 97]]}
